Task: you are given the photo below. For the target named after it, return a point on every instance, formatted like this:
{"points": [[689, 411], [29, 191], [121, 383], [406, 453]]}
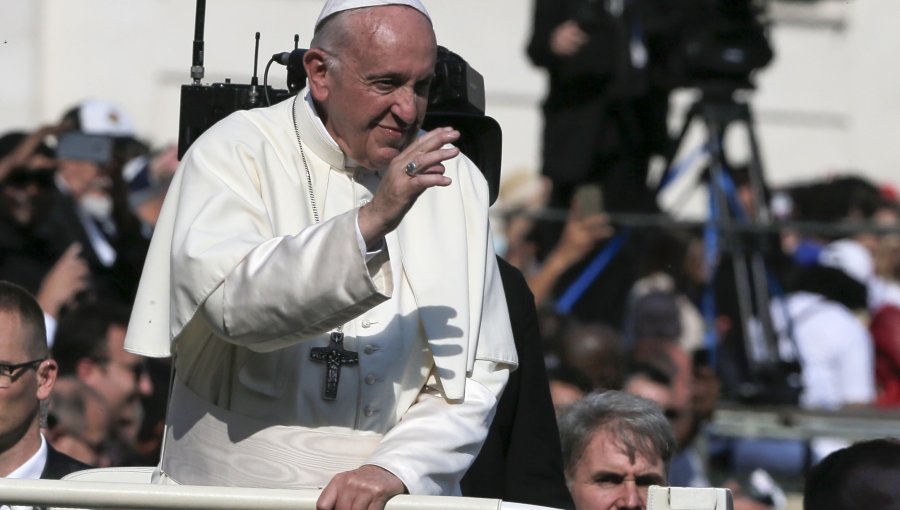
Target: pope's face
{"points": [[376, 97], [605, 478]]}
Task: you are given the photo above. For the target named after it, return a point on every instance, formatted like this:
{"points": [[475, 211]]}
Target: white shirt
{"points": [[836, 352], [30, 470]]}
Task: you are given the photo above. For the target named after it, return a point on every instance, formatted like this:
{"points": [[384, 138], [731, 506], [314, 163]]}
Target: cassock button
{"points": [[369, 349], [369, 411], [371, 379]]}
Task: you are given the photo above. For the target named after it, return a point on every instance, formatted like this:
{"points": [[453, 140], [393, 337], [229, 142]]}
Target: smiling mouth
{"points": [[397, 132]]}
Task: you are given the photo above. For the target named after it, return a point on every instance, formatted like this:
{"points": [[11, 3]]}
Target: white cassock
{"points": [[241, 283]]}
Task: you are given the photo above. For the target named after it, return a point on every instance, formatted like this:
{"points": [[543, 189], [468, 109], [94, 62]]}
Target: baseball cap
{"points": [[850, 257], [101, 117]]}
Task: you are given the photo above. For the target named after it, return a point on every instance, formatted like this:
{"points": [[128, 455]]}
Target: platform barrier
{"points": [[118, 495], [794, 423]]}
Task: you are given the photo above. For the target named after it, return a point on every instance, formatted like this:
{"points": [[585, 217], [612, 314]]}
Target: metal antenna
{"points": [[254, 81], [197, 62]]}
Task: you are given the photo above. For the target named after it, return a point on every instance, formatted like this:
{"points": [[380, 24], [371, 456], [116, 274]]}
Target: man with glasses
{"points": [[89, 345], [27, 375]]}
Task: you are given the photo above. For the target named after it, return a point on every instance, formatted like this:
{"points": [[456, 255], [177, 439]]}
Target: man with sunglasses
{"points": [[27, 375]]}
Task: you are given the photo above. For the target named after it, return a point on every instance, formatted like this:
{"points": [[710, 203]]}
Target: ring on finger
{"points": [[411, 168]]}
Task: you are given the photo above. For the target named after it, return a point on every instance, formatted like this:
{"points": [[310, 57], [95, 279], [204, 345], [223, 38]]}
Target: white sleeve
{"points": [[436, 441], [294, 287], [856, 365]]}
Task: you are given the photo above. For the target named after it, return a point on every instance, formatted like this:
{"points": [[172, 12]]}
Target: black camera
{"points": [[719, 43]]}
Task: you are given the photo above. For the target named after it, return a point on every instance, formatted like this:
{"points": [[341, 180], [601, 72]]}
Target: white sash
{"points": [[208, 445]]}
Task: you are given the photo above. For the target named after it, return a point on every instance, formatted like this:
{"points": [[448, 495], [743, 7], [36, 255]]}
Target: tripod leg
{"points": [[692, 113]]}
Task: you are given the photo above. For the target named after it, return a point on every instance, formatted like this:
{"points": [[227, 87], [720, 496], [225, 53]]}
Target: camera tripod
{"points": [[717, 109]]}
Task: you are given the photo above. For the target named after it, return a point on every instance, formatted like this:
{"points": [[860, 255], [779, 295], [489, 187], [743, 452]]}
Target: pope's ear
{"points": [[314, 61]]}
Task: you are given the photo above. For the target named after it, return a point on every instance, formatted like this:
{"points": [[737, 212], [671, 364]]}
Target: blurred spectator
{"points": [[523, 195], [841, 199], [653, 383], [148, 179], [581, 235], [615, 446], [154, 407], [665, 270], [653, 314], [28, 151], [863, 475], [89, 345], [27, 375], [78, 423], [818, 325], [25, 260], [885, 329], [688, 403], [594, 350], [88, 204], [103, 118], [567, 386]]}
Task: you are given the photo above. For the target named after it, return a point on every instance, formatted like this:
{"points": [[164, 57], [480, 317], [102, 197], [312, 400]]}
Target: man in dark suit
{"points": [[605, 110], [27, 375], [521, 460]]}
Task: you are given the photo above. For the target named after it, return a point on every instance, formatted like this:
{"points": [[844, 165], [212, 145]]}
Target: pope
{"points": [[323, 274]]}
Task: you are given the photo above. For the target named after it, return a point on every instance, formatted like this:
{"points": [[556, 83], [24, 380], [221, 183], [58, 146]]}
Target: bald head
{"points": [[17, 303]]}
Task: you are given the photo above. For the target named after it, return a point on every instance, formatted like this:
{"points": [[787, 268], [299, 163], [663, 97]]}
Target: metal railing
{"points": [[83, 494], [794, 423]]}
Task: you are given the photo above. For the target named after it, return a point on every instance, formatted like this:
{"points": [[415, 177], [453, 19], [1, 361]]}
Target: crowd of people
{"points": [[626, 339], [79, 200]]}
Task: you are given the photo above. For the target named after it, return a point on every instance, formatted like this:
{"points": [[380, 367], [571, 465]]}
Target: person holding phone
{"points": [[86, 214]]}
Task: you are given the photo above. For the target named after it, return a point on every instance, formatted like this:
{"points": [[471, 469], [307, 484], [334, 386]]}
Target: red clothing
{"points": [[885, 328]]}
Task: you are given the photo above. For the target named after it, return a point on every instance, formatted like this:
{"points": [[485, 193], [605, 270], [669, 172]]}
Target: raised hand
{"points": [[399, 189], [64, 281]]}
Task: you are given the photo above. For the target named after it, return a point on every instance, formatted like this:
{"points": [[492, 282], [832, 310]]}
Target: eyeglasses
{"points": [[11, 372]]}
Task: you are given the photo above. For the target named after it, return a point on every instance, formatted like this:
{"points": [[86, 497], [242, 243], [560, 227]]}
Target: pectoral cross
{"points": [[334, 356]]}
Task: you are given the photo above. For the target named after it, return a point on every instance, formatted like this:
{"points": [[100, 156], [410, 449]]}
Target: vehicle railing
{"points": [[118, 495]]}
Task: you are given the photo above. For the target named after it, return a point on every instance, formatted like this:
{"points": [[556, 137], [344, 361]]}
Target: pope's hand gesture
{"points": [[415, 169]]}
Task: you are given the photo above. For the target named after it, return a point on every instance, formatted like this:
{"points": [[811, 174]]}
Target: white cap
{"points": [[850, 257], [335, 6], [99, 117]]}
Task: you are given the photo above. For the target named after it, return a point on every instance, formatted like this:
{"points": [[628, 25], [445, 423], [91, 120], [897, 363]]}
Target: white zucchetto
{"points": [[335, 6]]}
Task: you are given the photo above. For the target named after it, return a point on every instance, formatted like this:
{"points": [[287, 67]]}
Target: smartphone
{"points": [[589, 199], [84, 147]]}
